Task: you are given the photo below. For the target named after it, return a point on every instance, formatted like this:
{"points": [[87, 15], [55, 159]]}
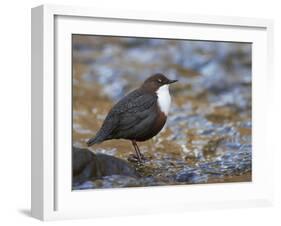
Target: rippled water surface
{"points": [[207, 137]]}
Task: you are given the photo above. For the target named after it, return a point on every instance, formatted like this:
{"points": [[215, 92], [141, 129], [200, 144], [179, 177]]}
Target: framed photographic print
{"points": [[137, 113]]}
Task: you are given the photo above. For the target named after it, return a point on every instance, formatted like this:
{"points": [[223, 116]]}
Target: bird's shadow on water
{"points": [[26, 212]]}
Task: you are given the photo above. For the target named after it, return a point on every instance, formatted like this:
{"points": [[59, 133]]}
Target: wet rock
{"points": [[86, 165], [210, 148], [191, 176], [85, 185]]}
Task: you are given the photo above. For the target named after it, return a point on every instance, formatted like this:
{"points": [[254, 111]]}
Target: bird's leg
{"points": [[138, 157], [137, 150], [141, 155]]}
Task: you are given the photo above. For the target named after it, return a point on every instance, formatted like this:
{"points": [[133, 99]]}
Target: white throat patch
{"points": [[164, 98]]}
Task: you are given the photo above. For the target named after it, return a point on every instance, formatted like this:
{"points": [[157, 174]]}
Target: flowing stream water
{"points": [[207, 137]]}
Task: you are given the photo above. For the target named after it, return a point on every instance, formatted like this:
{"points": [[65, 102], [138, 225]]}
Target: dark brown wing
{"points": [[123, 119]]}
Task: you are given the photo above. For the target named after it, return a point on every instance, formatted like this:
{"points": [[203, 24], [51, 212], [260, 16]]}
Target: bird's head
{"points": [[154, 82]]}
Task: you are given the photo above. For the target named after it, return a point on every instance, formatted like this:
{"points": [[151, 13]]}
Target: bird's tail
{"points": [[94, 140], [103, 134]]}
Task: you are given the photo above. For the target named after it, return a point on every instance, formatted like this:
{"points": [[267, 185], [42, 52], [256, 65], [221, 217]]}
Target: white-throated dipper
{"points": [[138, 116]]}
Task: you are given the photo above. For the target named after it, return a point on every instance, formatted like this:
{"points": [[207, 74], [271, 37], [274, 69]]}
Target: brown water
{"points": [[207, 138]]}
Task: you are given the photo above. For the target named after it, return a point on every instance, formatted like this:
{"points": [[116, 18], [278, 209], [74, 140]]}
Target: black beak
{"points": [[172, 81]]}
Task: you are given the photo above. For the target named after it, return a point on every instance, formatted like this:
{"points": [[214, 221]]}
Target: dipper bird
{"points": [[138, 116]]}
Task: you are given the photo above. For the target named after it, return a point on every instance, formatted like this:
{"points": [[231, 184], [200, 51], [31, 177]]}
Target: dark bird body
{"points": [[136, 117]]}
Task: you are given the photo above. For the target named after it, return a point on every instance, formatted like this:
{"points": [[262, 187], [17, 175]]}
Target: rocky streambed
{"points": [[207, 137]]}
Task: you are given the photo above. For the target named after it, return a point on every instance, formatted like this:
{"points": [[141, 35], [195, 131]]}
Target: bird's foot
{"points": [[134, 158]]}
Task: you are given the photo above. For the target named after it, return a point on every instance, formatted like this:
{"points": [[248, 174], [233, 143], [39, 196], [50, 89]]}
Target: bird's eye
{"points": [[159, 80]]}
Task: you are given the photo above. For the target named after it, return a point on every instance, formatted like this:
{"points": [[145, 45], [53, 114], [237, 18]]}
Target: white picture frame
{"points": [[52, 197]]}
